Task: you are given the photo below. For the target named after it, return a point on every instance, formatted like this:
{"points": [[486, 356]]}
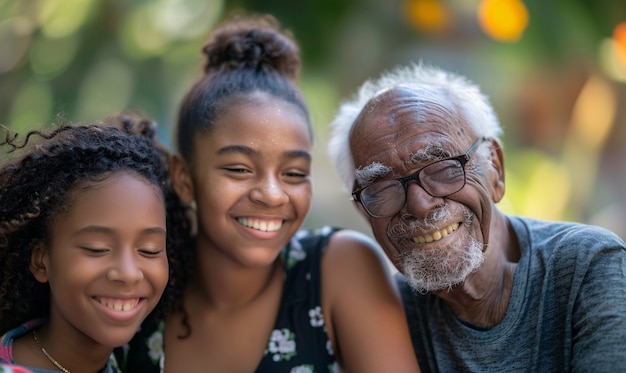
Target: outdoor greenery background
{"points": [[554, 70]]}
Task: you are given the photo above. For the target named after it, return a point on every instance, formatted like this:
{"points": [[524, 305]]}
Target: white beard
{"points": [[443, 267]]}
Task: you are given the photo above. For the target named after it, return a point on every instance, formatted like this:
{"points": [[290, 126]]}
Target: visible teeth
{"points": [[437, 235], [119, 304], [262, 225]]}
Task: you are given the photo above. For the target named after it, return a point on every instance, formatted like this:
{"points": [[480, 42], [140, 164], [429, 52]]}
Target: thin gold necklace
{"points": [[52, 360]]}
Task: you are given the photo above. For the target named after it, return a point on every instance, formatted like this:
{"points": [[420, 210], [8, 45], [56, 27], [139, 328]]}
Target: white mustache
{"points": [[439, 268], [407, 227]]}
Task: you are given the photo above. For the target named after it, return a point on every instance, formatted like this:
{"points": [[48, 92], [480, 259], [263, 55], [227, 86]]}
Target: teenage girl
{"points": [[264, 295]]}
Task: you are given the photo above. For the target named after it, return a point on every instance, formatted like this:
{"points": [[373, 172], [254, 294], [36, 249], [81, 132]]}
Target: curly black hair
{"points": [[35, 187]]}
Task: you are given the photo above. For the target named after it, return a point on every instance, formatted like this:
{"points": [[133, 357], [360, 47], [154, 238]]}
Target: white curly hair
{"points": [[442, 88]]}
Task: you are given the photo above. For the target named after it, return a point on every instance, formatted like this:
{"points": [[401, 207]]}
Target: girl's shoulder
{"points": [[348, 245], [6, 347]]}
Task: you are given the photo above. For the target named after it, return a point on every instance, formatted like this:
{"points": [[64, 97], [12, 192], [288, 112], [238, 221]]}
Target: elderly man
{"points": [[483, 291]]}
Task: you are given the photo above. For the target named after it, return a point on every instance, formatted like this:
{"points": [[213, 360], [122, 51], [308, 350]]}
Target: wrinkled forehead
{"points": [[393, 109], [405, 126], [398, 115]]}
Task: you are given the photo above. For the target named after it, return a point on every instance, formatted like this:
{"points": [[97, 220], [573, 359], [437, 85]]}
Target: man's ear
{"points": [[39, 262], [181, 179], [496, 174]]}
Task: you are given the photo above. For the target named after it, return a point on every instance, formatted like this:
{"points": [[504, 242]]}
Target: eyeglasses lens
{"points": [[439, 179]]}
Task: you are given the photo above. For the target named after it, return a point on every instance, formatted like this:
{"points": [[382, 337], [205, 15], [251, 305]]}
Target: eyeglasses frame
{"points": [[463, 159]]}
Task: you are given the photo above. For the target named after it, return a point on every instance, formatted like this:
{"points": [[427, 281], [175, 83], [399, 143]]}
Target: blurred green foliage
{"points": [[81, 60]]}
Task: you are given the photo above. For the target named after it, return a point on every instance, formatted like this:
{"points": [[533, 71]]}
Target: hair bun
{"points": [[253, 43], [133, 123]]}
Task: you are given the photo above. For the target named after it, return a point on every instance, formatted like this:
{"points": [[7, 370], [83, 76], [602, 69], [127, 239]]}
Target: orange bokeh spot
{"points": [[427, 15], [619, 37], [503, 20]]}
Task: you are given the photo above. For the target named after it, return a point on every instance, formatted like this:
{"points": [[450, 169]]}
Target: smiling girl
{"points": [[264, 295], [82, 243]]}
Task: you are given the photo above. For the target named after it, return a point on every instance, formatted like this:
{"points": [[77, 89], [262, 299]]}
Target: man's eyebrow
{"points": [[432, 152], [367, 174]]}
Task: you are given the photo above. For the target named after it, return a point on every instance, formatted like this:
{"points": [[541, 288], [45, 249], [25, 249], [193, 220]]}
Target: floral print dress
{"points": [[298, 342]]}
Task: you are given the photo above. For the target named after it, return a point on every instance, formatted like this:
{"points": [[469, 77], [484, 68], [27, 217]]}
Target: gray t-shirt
{"points": [[567, 310]]}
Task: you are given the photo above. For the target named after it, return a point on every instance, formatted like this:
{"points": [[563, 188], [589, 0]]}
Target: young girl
{"points": [[263, 296], [82, 243]]}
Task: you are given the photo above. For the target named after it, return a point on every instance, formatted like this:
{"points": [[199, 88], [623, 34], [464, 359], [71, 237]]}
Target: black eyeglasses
{"points": [[442, 178]]}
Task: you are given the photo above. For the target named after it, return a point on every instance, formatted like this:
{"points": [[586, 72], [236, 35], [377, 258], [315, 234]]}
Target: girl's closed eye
{"points": [[151, 251], [94, 250], [297, 174], [238, 170]]}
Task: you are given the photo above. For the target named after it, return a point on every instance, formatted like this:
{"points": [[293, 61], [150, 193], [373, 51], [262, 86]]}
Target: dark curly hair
{"points": [[243, 55], [35, 187]]}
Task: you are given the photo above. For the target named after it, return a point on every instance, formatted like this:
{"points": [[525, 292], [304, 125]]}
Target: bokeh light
{"points": [[51, 57], [31, 106], [619, 36], [15, 38], [503, 20], [60, 18], [107, 89], [430, 16], [154, 26], [594, 114], [610, 61], [537, 185]]}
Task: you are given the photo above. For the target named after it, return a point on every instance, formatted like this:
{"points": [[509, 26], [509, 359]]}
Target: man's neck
{"points": [[483, 297]]}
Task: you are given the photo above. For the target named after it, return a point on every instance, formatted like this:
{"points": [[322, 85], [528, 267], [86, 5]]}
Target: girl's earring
{"points": [[192, 214]]}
